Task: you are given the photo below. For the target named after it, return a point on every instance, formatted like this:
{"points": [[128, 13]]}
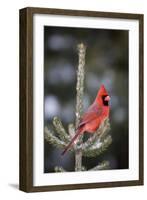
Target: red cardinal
{"points": [[94, 116]]}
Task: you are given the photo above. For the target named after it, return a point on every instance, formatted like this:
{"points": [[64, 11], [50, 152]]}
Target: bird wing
{"points": [[92, 113]]}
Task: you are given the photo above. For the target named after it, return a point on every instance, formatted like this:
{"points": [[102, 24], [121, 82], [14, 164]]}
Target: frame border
{"points": [[26, 99]]}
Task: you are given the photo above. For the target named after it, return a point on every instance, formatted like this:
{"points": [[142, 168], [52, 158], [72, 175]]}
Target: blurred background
{"points": [[106, 63]]}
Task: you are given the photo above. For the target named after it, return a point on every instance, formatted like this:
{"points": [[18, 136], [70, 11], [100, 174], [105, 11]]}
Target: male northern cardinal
{"points": [[94, 116]]}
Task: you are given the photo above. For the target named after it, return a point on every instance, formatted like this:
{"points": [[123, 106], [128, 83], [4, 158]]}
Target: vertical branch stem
{"points": [[79, 101]]}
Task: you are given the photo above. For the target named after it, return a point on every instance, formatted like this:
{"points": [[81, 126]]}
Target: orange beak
{"points": [[107, 98]]}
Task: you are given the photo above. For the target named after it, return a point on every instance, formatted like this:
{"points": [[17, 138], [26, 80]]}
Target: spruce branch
{"points": [[60, 130], [106, 128], [83, 168], [79, 101], [80, 82], [71, 130], [59, 169], [103, 165], [52, 139], [98, 148]]}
